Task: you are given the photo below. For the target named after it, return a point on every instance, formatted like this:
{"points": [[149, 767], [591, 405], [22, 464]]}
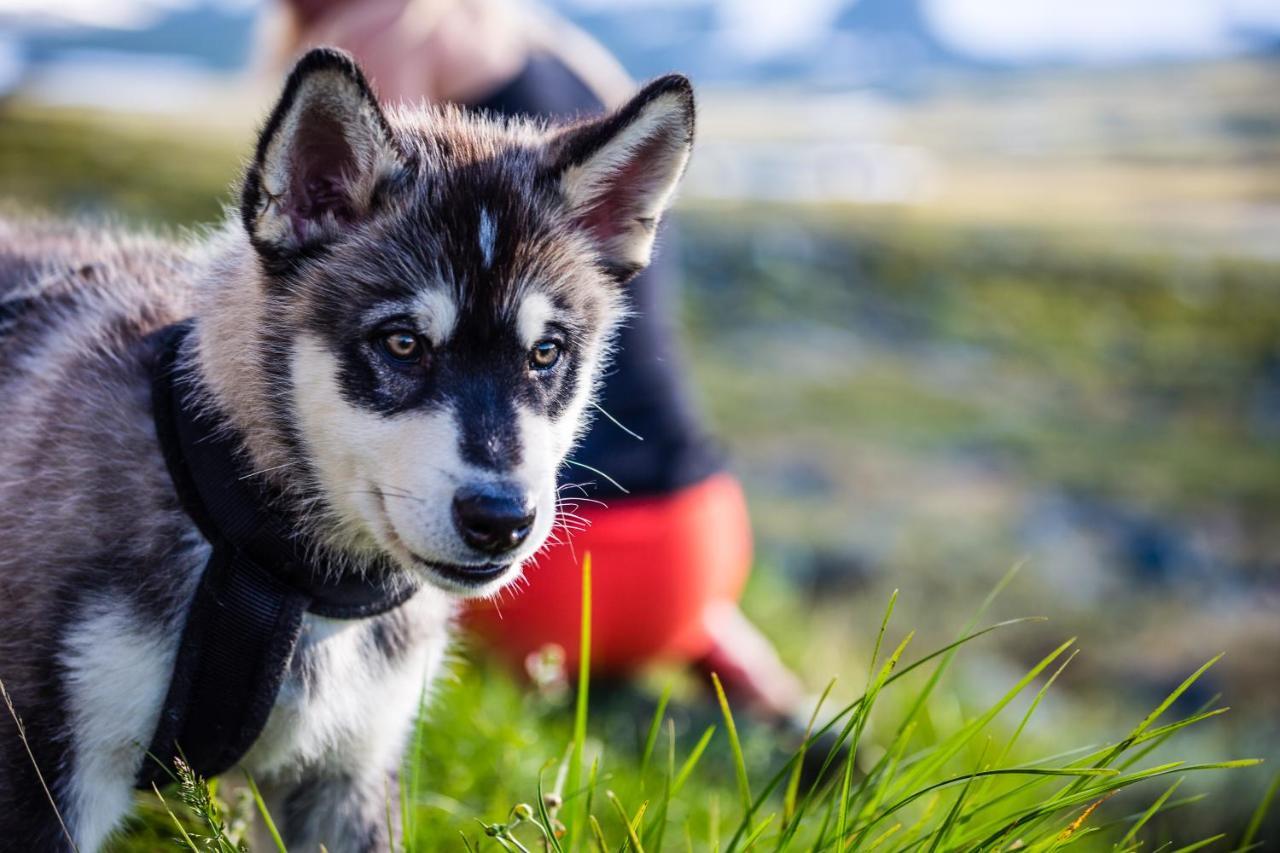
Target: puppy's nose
{"points": [[493, 518]]}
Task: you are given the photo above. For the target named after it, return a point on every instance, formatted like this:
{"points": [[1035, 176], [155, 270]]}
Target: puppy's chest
{"points": [[351, 693]]}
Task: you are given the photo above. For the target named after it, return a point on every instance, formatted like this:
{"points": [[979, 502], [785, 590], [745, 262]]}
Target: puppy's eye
{"points": [[544, 355], [402, 347]]}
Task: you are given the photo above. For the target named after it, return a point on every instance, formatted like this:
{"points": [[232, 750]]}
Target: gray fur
{"points": [[98, 562]]}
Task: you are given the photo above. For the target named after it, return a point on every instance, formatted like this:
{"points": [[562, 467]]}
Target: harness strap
{"points": [[247, 612]]}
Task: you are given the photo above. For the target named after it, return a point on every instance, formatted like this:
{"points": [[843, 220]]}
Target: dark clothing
{"points": [[644, 388]]}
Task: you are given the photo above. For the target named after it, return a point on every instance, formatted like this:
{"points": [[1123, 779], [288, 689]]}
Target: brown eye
{"points": [[403, 347], [544, 355]]}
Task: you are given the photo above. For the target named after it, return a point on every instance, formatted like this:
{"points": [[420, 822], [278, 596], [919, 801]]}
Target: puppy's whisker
{"points": [[615, 483], [599, 408], [574, 502]]}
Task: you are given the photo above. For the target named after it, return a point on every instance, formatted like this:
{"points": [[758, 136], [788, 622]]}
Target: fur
{"points": [[480, 240]]}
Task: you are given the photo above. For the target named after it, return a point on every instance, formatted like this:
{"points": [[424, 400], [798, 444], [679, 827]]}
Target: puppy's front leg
{"points": [[345, 814]]}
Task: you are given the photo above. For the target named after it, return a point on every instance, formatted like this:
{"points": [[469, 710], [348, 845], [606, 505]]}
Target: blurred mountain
{"points": [[214, 36], [884, 43]]}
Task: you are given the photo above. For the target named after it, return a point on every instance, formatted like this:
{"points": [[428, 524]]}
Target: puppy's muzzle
{"points": [[493, 518]]}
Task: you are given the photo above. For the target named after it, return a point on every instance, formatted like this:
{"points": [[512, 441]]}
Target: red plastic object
{"points": [[659, 565]]}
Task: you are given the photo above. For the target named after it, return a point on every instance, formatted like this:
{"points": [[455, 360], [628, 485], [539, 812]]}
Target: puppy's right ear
{"points": [[618, 173], [320, 158]]}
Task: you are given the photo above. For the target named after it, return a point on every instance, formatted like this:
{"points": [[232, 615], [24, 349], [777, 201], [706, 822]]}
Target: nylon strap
{"points": [[247, 612]]}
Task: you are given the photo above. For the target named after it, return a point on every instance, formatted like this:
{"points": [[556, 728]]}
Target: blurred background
{"points": [[966, 283]]}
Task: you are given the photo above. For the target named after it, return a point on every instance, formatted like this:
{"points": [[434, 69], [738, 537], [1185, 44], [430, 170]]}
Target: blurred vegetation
{"points": [[918, 401]]}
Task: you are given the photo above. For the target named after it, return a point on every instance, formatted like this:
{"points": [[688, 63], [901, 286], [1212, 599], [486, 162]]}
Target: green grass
{"points": [[493, 769]]}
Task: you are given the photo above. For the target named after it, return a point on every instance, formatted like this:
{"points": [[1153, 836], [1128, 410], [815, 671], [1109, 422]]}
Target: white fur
{"points": [[117, 676], [355, 714], [487, 235], [535, 312], [438, 314]]}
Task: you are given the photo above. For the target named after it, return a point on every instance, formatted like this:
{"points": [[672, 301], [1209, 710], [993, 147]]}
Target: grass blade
{"points": [[949, 821], [1149, 813], [181, 829], [1200, 844], [598, 834], [739, 762], [1260, 813], [692, 761], [266, 815], [580, 710], [545, 817], [627, 821], [654, 726]]}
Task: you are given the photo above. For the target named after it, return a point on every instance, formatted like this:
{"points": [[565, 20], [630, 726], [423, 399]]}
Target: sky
{"points": [[1098, 30], [1094, 31], [1010, 30]]}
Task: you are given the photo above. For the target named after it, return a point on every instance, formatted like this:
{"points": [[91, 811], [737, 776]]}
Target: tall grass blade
{"points": [[598, 834], [970, 730], [1010, 771], [651, 739], [632, 838], [1159, 710], [544, 817], [1151, 812], [1260, 813], [860, 719], [1201, 844], [580, 710], [793, 784], [759, 831], [692, 761], [950, 820], [181, 829], [739, 762], [412, 779], [923, 696], [266, 815]]}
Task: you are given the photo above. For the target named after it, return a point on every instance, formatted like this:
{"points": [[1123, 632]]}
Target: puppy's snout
{"points": [[493, 518]]}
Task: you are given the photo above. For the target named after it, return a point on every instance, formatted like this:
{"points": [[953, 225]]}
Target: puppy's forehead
{"points": [[459, 247]]}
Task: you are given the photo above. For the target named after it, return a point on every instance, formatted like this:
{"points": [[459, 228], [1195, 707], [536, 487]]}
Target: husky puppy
{"points": [[400, 325]]}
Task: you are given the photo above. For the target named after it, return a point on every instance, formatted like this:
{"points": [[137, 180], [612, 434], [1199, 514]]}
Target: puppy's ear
{"points": [[320, 158], [619, 173]]}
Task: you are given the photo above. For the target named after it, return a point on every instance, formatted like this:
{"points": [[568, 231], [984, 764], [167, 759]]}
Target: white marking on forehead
{"points": [[439, 314], [488, 233], [535, 312]]}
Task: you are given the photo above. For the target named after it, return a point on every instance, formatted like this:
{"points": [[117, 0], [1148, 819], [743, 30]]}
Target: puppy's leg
{"points": [[115, 671], [30, 818], [340, 812]]}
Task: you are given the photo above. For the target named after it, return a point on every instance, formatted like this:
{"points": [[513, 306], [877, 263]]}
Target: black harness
{"points": [[247, 613]]}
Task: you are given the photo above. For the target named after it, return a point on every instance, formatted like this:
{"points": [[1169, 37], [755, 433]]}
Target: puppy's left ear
{"points": [[618, 174], [320, 158]]}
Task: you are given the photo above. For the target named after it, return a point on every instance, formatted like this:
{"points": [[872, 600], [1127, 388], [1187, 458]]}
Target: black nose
{"points": [[493, 518]]}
